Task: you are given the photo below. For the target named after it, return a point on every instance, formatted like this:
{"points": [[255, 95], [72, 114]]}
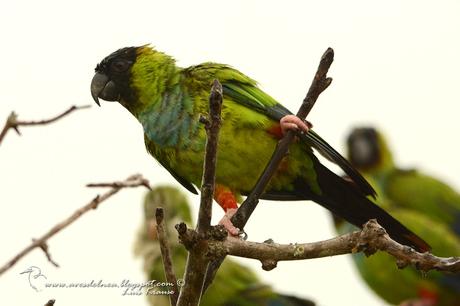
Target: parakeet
{"points": [[168, 100], [393, 285], [408, 188], [234, 285], [425, 205]]}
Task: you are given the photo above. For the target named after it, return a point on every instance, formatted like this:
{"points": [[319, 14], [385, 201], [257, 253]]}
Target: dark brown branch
{"points": [[12, 121], [370, 239], [166, 255], [319, 84], [209, 172], [132, 181], [50, 303], [197, 262]]}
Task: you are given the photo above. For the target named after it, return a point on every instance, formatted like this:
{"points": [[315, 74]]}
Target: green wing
{"points": [[394, 285], [414, 190], [151, 148], [243, 90]]}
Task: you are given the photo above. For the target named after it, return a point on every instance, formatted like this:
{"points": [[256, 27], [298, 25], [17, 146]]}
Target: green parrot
{"points": [[424, 204], [234, 285], [369, 153], [396, 286], [168, 100]]}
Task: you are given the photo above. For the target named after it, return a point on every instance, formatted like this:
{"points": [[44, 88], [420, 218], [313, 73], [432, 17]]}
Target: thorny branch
{"points": [[132, 181], [12, 121]]}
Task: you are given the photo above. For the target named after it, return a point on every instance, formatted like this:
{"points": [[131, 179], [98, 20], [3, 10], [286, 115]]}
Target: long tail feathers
{"points": [[344, 200]]}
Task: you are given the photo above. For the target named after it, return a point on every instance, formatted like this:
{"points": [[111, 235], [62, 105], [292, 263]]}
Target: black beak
{"points": [[104, 88], [97, 86]]}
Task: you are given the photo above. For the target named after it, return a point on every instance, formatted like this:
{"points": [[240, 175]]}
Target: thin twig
{"points": [[197, 262], [166, 255], [12, 121], [319, 84], [132, 181], [135, 181], [45, 249]]}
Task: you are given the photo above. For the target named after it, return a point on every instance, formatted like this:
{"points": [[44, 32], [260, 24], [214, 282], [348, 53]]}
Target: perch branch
{"points": [[370, 239], [197, 262], [132, 181], [319, 84], [166, 255], [12, 121]]}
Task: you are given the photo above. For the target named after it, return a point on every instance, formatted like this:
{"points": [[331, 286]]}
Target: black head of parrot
{"points": [[363, 147], [111, 81]]}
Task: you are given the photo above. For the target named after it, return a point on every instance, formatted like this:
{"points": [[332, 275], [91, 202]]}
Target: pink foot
{"points": [[419, 302], [227, 223], [292, 122]]}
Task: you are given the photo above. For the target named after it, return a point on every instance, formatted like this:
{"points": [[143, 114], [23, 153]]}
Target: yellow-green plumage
{"points": [[243, 130], [424, 204], [168, 101], [393, 285]]}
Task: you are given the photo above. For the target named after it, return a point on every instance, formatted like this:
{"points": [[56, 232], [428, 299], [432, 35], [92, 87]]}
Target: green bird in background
{"points": [[424, 204], [234, 285], [369, 153], [168, 100]]}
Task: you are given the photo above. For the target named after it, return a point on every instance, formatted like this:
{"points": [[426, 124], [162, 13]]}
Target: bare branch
{"points": [[319, 84], [166, 255], [197, 262], [50, 303], [240, 218], [132, 181], [374, 237], [12, 121], [209, 172], [370, 239], [44, 248]]}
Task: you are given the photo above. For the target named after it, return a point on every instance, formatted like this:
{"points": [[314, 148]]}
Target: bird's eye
{"points": [[120, 66]]}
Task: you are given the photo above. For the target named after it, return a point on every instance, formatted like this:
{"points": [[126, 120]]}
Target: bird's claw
{"points": [[292, 122], [419, 302], [227, 223]]}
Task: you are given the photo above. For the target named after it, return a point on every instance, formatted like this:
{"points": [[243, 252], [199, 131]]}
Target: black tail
{"points": [[344, 200]]}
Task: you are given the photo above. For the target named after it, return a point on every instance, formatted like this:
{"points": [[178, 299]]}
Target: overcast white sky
{"points": [[396, 66]]}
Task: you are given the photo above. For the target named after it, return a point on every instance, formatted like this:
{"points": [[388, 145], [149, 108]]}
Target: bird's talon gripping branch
{"points": [[227, 223], [292, 122], [226, 199]]}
